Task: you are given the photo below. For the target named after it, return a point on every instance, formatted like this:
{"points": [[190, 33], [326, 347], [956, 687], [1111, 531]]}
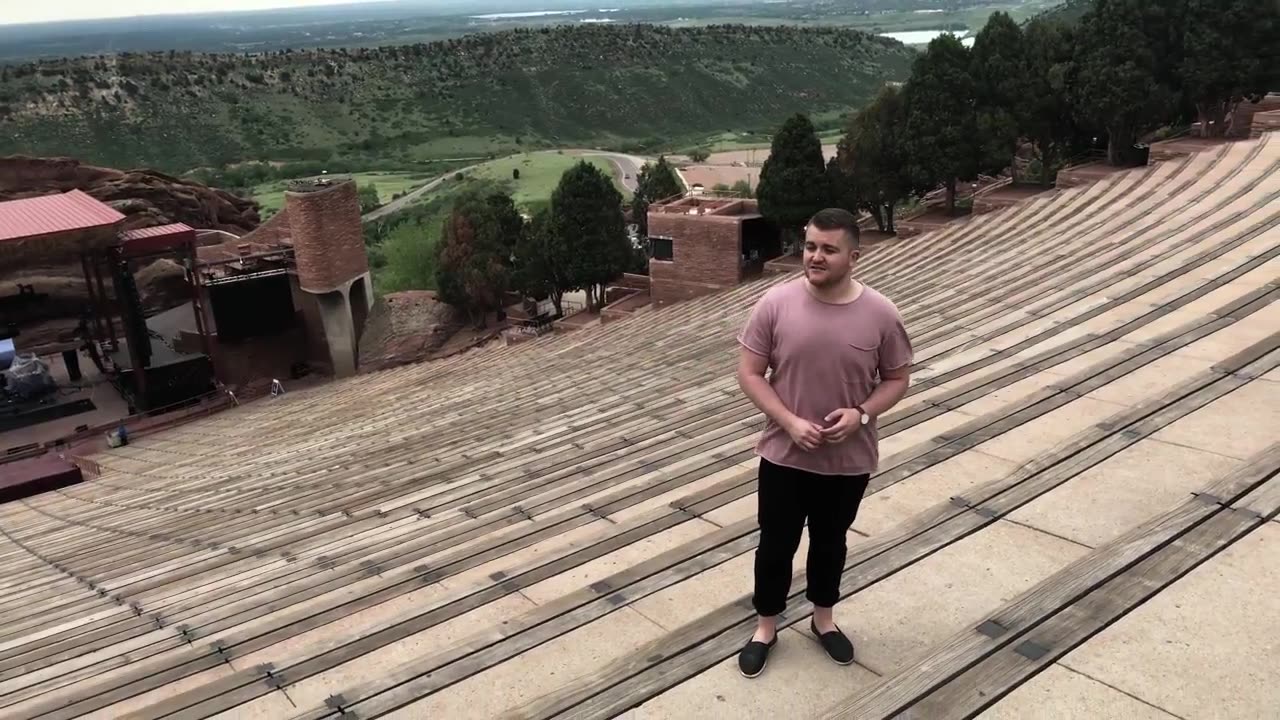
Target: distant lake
{"points": [[530, 14], [537, 13]]}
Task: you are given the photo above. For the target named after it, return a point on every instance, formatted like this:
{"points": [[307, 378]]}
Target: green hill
{"points": [[1068, 12], [629, 87]]}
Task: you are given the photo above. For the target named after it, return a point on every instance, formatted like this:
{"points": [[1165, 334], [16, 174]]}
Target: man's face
{"points": [[829, 256]]}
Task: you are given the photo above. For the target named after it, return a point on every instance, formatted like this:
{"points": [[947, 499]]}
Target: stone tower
{"points": [[332, 265]]}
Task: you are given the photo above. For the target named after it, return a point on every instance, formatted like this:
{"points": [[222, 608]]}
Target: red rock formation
{"points": [[147, 197], [406, 327]]}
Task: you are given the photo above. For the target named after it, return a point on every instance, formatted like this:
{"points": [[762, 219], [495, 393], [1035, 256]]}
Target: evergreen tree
{"points": [[844, 188], [941, 123], [587, 220], [793, 181], [511, 223], [1229, 54], [873, 155], [1118, 71], [998, 64], [473, 263], [655, 181], [1046, 116], [541, 263]]}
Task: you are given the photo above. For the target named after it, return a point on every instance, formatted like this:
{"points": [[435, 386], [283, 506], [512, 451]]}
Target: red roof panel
{"points": [[157, 239], [49, 214], [157, 231]]}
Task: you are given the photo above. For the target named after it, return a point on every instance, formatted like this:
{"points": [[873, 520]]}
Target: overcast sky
{"points": [[25, 11]]}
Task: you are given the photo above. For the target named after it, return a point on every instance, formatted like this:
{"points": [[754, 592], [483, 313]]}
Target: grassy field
{"points": [[539, 175], [726, 142], [402, 245], [389, 184]]}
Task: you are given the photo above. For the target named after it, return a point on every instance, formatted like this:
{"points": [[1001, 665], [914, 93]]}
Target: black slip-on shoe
{"points": [[753, 657], [835, 643]]}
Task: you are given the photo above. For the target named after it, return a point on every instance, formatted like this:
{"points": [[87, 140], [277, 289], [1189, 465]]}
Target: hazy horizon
{"points": [[73, 10]]}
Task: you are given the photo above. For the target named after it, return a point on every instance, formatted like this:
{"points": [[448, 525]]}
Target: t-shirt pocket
{"points": [[862, 358]]}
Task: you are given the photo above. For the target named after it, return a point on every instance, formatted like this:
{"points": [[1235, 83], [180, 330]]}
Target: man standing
{"points": [[840, 357]]}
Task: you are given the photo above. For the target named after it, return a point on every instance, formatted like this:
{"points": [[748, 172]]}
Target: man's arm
{"points": [[751, 370], [892, 388], [896, 357], [845, 421]]}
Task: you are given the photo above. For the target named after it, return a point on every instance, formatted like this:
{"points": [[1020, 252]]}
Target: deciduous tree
{"points": [[368, 198], [473, 265], [541, 263], [1045, 112]]}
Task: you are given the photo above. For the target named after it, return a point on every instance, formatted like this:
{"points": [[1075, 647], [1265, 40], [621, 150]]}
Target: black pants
{"points": [[787, 498]]}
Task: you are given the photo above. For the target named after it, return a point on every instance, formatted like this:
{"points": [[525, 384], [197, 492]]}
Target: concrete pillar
{"points": [[365, 291], [339, 331]]}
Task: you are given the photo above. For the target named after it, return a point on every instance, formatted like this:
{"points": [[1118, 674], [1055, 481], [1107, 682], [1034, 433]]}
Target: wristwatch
{"points": [[862, 414]]}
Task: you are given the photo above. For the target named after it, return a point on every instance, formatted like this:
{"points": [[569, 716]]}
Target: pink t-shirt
{"points": [[824, 357]]}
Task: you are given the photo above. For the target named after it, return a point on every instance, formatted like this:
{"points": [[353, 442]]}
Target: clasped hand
{"points": [[809, 435]]}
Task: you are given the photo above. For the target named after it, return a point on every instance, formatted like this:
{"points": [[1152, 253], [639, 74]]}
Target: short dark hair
{"points": [[837, 219]]}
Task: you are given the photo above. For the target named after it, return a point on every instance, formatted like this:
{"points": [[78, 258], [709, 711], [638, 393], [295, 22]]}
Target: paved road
{"points": [[624, 166]]}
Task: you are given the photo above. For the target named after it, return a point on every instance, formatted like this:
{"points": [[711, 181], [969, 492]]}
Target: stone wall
{"points": [[328, 240]]}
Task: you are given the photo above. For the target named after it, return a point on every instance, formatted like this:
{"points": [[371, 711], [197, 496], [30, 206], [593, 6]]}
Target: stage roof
{"points": [[51, 214]]}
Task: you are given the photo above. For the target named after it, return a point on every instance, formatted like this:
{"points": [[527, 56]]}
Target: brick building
{"points": [[705, 243]]}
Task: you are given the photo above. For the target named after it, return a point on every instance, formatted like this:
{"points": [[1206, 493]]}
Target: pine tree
{"points": [[655, 181], [998, 65], [941, 122], [590, 231], [793, 181], [873, 155], [1229, 54], [1117, 80]]}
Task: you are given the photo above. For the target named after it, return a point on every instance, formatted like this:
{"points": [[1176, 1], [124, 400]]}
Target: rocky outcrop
{"points": [[406, 327], [146, 197]]}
